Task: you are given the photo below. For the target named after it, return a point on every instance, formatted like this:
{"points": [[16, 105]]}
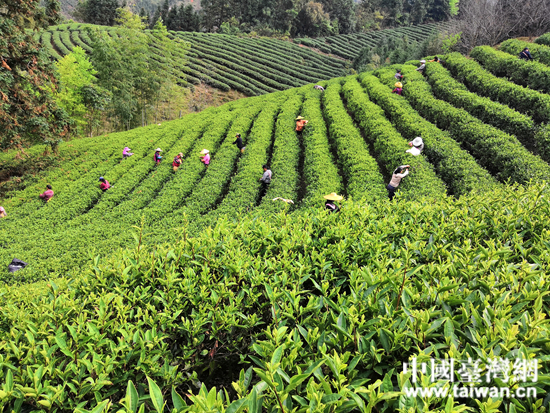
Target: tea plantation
{"points": [[195, 291], [251, 66]]}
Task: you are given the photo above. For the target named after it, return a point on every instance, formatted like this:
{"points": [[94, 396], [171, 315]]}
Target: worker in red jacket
{"points": [[104, 185]]}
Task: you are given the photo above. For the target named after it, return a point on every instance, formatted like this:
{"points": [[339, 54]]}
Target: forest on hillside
{"points": [[274, 17]]}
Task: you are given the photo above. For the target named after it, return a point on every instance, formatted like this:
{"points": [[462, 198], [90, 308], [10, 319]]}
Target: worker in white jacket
{"points": [[396, 178]]}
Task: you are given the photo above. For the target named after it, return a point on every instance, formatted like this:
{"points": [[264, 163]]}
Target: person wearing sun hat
{"points": [[300, 123], [126, 153], [205, 157], [329, 203], [158, 158], [417, 146], [398, 88], [422, 67]]}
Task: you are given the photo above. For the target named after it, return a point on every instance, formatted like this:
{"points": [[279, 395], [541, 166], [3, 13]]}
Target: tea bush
{"points": [[502, 154], [480, 81], [298, 310]]}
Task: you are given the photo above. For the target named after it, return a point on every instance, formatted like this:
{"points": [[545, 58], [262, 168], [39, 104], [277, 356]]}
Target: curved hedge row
{"points": [[478, 80], [389, 146], [321, 173], [502, 154], [362, 176], [492, 113], [348, 46], [534, 75], [456, 167]]}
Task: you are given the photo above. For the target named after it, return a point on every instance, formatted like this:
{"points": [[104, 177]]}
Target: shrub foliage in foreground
{"points": [[306, 311]]}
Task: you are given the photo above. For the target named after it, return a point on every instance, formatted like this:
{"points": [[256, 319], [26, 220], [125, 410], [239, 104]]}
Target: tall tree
{"points": [[102, 12], [78, 94], [125, 66], [28, 113]]}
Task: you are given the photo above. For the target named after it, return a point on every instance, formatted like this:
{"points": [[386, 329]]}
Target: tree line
{"points": [[278, 17]]}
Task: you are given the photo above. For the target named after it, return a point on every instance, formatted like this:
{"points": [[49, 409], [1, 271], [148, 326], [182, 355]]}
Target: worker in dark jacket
{"points": [[239, 142], [525, 54]]}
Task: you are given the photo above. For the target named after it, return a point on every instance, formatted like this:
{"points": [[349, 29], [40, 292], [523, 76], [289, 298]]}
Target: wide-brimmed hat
{"points": [[399, 84], [299, 118], [126, 148], [205, 151], [422, 61], [180, 154], [158, 150], [417, 141], [333, 197]]}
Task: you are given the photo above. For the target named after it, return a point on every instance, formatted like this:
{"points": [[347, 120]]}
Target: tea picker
{"points": [[417, 146], [48, 193], [266, 178], [525, 54], [126, 153], [330, 202], [398, 88], [300, 123], [205, 157], [177, 161], [104, 185], [3, 213], [157, 156], [239, 142], [422, 67], [396, 178]]}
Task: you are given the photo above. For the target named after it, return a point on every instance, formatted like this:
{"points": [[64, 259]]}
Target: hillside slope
{"points": [[357, 135]]}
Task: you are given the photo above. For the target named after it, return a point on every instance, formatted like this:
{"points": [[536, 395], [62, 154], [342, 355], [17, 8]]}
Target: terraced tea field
{"points": [[348, 46], [356, 136], [193, 291], [251, 66]]}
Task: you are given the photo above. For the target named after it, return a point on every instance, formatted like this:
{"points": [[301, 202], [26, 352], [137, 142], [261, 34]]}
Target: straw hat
{"points": [[158, 150], [399, 84], [299, 118], [205, 151], [422, 61], [417, 141], [333, 197]]}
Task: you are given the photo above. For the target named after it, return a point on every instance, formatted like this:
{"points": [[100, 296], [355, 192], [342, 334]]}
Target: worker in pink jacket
{"points": [[205, 157], [48, 193]]}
